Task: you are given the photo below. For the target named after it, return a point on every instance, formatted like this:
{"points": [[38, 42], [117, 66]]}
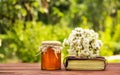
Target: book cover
{"points": [[73, 63]]}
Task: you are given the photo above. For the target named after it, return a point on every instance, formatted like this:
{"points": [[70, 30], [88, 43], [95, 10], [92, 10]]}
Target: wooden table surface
{"points": [[34, 69]]}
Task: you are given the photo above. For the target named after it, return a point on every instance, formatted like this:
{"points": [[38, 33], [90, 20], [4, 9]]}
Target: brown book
{"points": [[73, 63]]}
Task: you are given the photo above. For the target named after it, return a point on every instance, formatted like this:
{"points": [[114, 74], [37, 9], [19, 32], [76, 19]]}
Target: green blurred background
{"points": [[24, 24]]}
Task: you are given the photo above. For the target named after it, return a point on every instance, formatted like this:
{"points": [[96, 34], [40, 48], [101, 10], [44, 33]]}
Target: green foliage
{"points": [[23, 43], [24, 24]]}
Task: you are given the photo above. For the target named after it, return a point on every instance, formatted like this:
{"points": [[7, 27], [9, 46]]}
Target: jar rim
{"points": [[58, 43]]}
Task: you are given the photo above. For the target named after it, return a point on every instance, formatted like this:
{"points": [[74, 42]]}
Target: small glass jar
{"points": [[51, 55]]}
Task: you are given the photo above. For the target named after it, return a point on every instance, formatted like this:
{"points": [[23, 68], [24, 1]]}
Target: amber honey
{"points": [[51, 56]]}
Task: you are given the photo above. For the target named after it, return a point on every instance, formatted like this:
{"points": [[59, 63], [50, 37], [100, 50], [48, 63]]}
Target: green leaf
{"points": [[23, 12]]}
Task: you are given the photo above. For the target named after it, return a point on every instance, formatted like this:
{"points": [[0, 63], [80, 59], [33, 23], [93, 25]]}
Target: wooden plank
{"points": [[34, 69]]}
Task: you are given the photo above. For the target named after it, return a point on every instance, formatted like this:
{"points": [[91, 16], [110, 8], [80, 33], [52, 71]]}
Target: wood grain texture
{"points": [[35, 69]]}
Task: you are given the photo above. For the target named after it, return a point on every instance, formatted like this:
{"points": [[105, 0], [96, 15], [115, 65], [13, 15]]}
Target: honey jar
{"points": [[51, 55]]}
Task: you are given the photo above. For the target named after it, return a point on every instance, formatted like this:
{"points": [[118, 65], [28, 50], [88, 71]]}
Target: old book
{"points": [[73, 63]]}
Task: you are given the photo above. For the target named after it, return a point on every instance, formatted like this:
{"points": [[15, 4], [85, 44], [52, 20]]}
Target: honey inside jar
{"points": [[51, 55]]}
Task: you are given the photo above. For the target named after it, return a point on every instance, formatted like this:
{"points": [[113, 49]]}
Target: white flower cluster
{"points": [[83, 43]]}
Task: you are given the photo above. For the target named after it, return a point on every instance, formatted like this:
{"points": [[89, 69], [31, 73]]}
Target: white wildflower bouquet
{"points": [[83, 43]]}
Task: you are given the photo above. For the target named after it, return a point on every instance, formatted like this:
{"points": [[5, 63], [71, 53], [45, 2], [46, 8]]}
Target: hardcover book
{"points": [[73, 63]]}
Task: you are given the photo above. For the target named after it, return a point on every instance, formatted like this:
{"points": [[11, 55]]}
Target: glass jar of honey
{"points": [[51, 55]]}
